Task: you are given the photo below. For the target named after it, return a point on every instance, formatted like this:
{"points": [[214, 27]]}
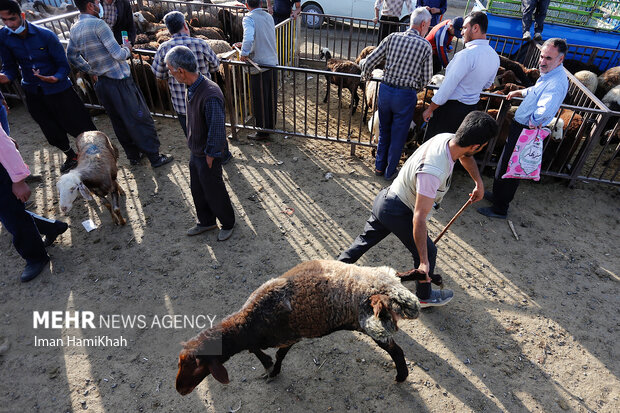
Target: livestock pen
{"points": [[301, 84]]}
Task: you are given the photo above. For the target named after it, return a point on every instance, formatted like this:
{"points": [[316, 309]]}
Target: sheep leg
{"points": [[108, 205], [397, 355], [116, 210], [265, 359], [276, 367], [327, 90]]}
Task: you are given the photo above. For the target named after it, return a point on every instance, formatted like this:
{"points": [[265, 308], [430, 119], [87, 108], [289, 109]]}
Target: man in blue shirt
{"points": [[259, 44], [206, 139], [541, 103], [51, 101]]}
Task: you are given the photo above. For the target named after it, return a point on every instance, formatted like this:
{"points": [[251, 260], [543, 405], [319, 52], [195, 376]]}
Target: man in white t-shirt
{"points": [[404, 207]]}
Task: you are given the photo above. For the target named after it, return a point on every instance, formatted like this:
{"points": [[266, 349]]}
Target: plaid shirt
{"points": [[207, 62], [393, 7], [408, 60], [92, 49], [109, 12]]}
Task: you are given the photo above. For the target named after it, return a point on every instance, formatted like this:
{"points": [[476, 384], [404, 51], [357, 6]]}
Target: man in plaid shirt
{"points": [[408, 68], [207, 60], [92, 49]]}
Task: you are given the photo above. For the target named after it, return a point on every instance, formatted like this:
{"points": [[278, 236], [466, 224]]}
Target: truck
{"points": [[591, 27]]}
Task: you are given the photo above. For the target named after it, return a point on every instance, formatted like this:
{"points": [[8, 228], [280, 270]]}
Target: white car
{"points": [[361, 9]]}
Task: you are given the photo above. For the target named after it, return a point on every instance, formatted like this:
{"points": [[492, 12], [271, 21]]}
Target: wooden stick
{"points": [[250, 61], [512, 228], [468, 203]]}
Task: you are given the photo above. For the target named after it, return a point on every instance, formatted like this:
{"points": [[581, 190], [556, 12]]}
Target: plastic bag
{"points": [[526, 158]]}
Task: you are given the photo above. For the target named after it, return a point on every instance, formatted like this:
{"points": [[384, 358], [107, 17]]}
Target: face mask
{"points": [[100, 11], [20, 29]]}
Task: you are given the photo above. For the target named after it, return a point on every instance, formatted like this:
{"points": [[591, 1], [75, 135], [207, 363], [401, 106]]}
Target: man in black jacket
{"points": [[117, 14]]}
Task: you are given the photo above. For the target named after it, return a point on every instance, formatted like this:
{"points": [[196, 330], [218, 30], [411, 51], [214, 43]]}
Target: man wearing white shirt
{"points": [[470, 71]]}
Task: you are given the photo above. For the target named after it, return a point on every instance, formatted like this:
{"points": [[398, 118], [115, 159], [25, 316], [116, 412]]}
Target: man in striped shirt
{"points": [[390, 12], [440, 38], [207, 60], [92, 49], [408, 69]]}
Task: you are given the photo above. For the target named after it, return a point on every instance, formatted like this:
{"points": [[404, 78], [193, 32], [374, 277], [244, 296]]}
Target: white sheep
{"points": [[96, 172], [557, 129], [612, 98], [437, 80], [588, 79], [313, 299]]}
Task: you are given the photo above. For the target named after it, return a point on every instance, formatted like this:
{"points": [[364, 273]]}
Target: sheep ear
{"points": [[218, 371], [379, 303], [84, 191]]}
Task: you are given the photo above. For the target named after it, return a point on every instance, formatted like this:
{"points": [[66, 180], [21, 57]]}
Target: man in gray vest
{"points": [[404, 207], [259, 44], [206, 138]]}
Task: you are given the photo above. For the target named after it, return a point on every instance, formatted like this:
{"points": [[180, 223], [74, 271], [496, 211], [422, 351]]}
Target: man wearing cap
{"points": [[471, 70], [440, 38]]}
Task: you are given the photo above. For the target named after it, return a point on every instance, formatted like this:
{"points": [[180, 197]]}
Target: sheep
{"points": [[612, 99], [341, 66], [313, 299], [219, 46], [575, 66], [437, 80], [588, 79], [518, 69], [95, 172], [557, 154], [507, 76], [608, 81], [209, 32], [231, 24], [49, 11], [370, 95]]}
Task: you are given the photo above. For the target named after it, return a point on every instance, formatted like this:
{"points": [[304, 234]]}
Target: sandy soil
{"points": [[533, 326]]}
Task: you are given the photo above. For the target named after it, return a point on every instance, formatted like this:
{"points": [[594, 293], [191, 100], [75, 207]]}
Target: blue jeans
{"points": [[4, 119], [396, 106]]}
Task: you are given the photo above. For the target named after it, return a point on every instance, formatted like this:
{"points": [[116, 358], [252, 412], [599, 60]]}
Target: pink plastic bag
{"points": [[526, 159]]}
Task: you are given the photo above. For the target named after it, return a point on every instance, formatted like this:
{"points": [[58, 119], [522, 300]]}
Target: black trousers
{"points": [[386, 29], [25, 228], [447, 118], [437, 66], [391, 216], [59, 114], [504, 189], [130, 116], [264, 97], [209, 192]]}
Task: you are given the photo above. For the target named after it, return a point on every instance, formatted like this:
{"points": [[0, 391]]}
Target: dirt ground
{"points": [[533, 325]]}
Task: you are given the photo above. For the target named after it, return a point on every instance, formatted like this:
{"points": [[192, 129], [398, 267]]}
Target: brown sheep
{"points": [[342, 66], [214, 33], [96, 173], [518, 69], [607, 81], [313, 299]]}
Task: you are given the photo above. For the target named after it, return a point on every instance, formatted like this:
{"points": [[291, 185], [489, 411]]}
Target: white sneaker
{"points": [[527, 36], [437, 298]]}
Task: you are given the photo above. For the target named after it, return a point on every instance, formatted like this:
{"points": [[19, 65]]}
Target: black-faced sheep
{"points": [[313, 299], [342, 66], [96, 173]]}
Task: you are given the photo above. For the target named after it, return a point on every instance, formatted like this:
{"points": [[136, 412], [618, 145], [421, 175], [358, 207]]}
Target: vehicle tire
{"points": [[312, 22]]}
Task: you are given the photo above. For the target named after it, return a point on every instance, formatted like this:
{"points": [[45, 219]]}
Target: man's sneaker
{"points": [[538, 37], [60, 227], [33, 269], [437, 298], [488, 212], [69, 164], [527, 36], [225, 234], [161, 160], [199, 229]]}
